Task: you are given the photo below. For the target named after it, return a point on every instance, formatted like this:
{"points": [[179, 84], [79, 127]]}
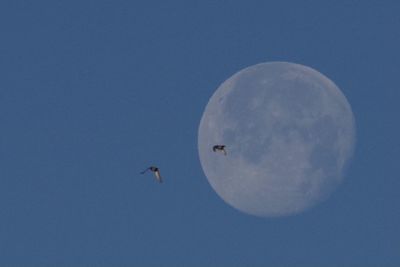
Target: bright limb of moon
{"points": [[289, 134]]}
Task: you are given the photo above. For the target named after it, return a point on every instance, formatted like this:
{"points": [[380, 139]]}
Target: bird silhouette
{"points": [[156, 172], [220, 148]]}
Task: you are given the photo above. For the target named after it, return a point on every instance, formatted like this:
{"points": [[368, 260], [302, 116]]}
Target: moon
{"points": [[289, 134]]}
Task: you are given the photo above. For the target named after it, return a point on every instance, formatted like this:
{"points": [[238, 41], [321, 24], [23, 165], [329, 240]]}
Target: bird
{"points": [[220, 148], [156, 172]]}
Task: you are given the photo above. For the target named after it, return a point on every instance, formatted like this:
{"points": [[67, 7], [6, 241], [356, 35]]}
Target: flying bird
{"points": [[220, 148], [156, 172]]}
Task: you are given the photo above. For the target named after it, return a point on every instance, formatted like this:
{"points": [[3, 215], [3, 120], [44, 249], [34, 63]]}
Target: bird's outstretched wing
{"points": [[144, 171]]}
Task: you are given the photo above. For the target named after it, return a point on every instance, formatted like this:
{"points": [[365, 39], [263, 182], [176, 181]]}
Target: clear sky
{"points": [[93, 92]]}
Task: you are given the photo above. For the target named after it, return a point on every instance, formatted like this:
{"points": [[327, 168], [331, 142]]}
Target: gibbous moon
{"points": [[289, 133]]}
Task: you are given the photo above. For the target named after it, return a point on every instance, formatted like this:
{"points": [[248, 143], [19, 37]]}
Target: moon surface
{"points": [[289, 134]]}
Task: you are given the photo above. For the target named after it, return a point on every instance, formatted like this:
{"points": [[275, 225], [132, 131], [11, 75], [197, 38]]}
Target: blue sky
{"points": [[92, 92]]}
